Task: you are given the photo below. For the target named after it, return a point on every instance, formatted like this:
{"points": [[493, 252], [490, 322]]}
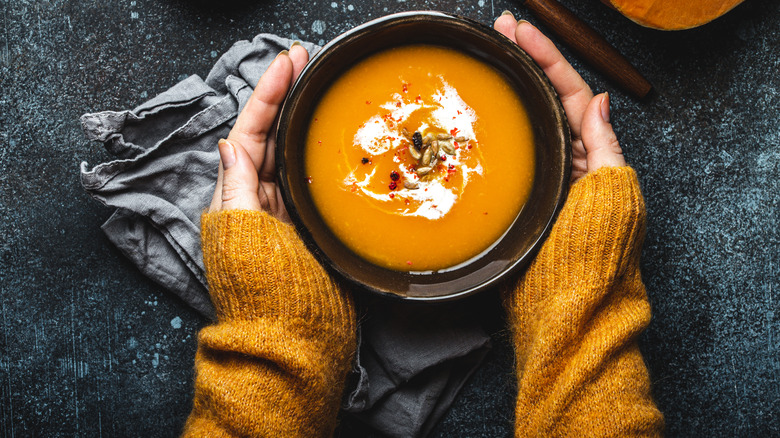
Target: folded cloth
{"points": [[412, 360]]}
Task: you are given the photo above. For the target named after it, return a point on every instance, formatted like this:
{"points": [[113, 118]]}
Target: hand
{"points": [[247, 173], [594, 144]]}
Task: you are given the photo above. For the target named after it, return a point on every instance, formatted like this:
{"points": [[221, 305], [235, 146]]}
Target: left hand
{"points": [[594, 144], [247, 170]]}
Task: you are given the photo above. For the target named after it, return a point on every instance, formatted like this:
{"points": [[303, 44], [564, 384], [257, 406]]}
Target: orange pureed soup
{"points": [[419, 158]]}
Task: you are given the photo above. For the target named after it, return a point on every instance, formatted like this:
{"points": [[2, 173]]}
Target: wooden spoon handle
{"points": [[591, 46]]}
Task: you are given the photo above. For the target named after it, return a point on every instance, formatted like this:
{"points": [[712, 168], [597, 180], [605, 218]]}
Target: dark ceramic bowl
{"points": [[553, 157]]}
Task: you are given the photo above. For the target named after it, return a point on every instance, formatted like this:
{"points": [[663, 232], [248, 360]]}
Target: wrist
{"points": [[257, 267]]}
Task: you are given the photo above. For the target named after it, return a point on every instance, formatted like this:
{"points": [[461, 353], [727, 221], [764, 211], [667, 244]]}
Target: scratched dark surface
{"points": [[89, 347]]}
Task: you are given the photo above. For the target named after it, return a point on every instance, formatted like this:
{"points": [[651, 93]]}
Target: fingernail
{"points": [[295, 43], [523, 21], [507, 13], [227, 153], [605, 107], [283, 52]]}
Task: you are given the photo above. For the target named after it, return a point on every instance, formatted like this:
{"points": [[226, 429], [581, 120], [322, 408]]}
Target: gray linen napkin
{"points": [[412, 359]]}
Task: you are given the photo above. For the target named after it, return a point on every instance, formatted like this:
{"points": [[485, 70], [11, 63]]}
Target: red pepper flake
{"points": [[368, 102], [308, 179], [406, 201], [393, 185], [485, 213], [319, 141], [365, 160], [454, 131], [443, 157], [392, 195], [409, 262], [459, 113], [406, 87], [394, 175], [398, 104]]}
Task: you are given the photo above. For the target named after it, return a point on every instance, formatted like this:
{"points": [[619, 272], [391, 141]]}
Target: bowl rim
{"points": [[306, 234]]}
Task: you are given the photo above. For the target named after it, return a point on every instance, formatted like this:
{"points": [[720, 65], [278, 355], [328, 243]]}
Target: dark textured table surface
{"points": [[89, 347]]}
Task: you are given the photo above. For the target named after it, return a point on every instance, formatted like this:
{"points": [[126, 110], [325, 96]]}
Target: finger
{"points": [[281, 209], [267, 172], [574, 93], [506, 24], [601, 144], [239, 183], [256, 119], [579, 160], [216, 199], [299, 57], [269, 199]]}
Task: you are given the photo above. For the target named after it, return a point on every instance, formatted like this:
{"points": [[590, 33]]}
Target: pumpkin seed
{"points": [[428, 139], [414, 153], [443, 136], [461, 139], [447, 147], [435, 147], [426, 158], [411, 185], [423, 170]]}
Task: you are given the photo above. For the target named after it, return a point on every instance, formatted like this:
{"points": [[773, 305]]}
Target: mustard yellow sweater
{"points": [[275, 362]]}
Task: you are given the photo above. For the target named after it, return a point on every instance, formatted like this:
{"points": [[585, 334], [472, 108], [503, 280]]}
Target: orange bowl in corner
{"points": [[672, 14]]}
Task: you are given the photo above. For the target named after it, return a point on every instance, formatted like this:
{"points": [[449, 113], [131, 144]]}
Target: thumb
{"points": [[239, 182], [601, 145]]}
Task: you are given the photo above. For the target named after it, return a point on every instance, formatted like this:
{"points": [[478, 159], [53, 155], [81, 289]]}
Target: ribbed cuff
{"points": [[603, 221], [257, 266], [596, 237]]}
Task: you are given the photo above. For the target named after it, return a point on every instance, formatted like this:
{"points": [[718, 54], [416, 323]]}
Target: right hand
{"points": [[594, 144]]}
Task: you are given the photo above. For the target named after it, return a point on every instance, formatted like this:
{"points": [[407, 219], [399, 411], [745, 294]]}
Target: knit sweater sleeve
{"points": [[576, 315], [275, 362]]}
